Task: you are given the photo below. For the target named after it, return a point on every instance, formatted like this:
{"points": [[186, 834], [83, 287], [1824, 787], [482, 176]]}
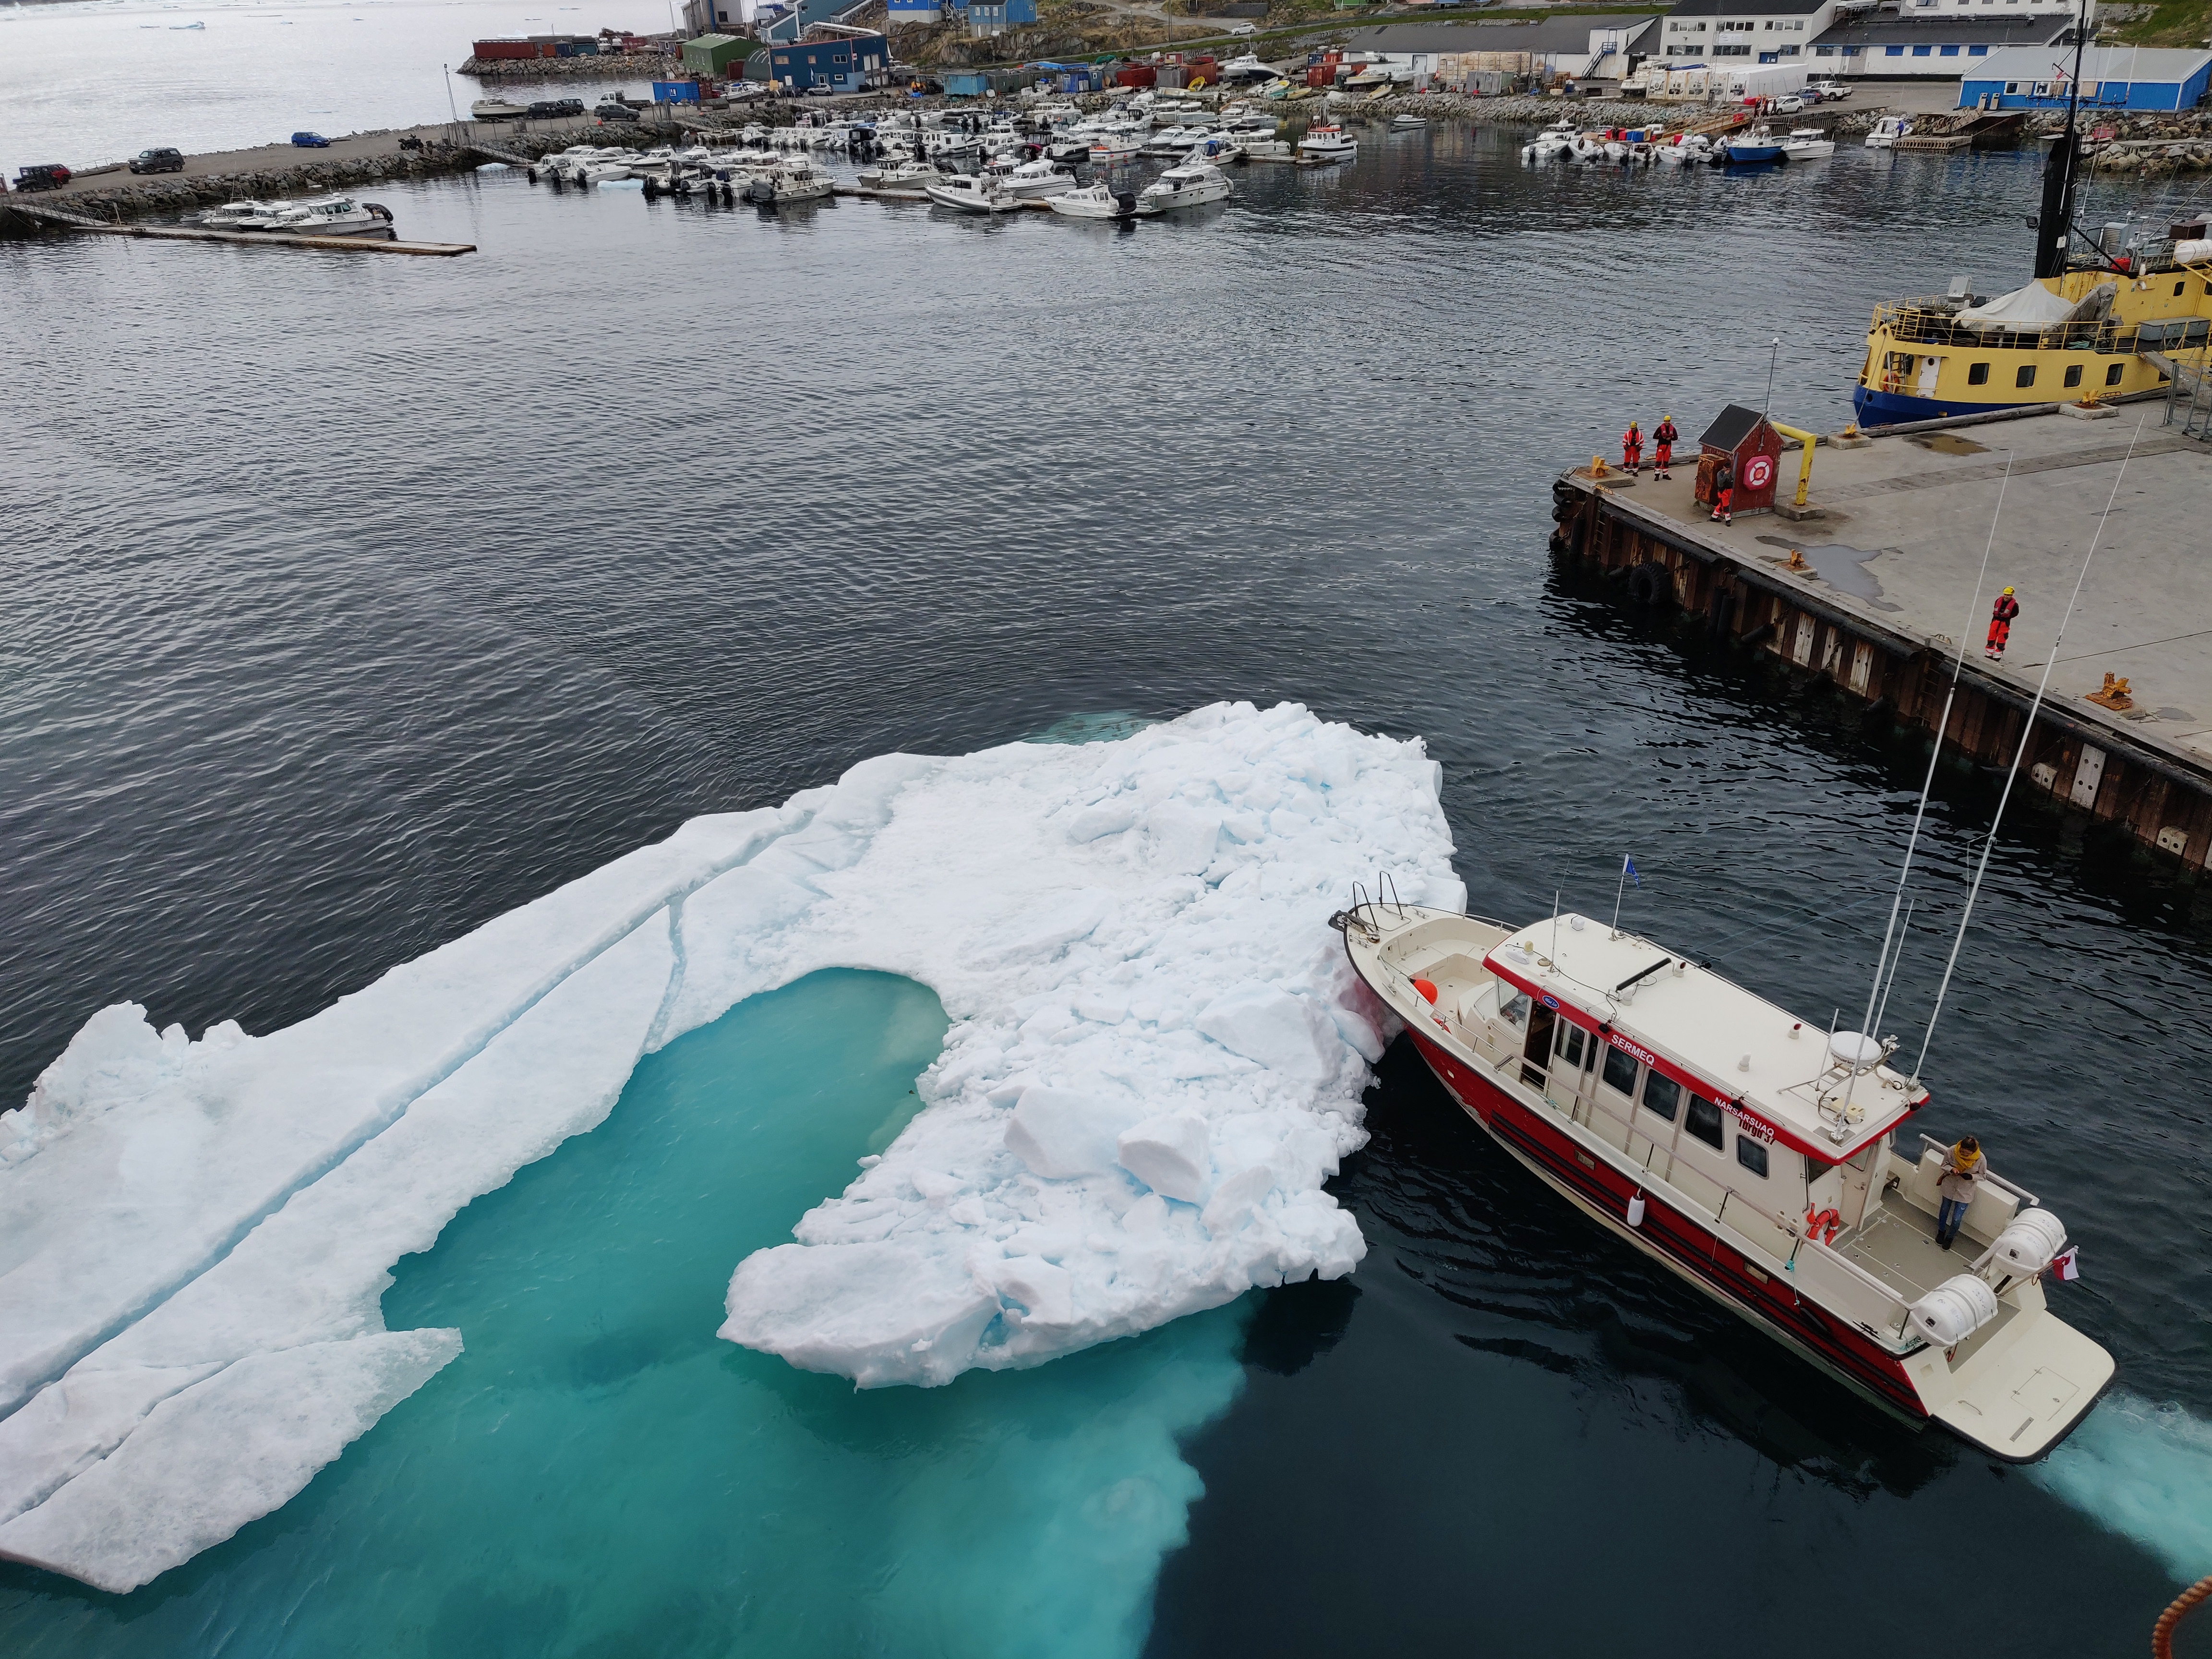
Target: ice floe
{"points": [[1155, 1062]]}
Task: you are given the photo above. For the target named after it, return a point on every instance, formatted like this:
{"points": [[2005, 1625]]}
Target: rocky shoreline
{"points": [[653, 66]]}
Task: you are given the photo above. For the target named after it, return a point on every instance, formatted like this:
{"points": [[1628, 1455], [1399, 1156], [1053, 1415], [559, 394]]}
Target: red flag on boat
{"points": [[2067, 1264]]}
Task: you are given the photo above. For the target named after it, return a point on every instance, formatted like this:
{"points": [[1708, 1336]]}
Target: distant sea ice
{"points": [[1155, 1061]]}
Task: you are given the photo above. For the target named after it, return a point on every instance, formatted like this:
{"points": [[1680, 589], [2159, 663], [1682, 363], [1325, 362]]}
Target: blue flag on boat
{"points": [[1628, 869]]}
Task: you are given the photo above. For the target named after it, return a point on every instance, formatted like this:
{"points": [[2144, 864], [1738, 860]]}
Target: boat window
{"points": [[1704, 1121], [2073, 374], [2112, 375], [2027, 376], [1570, 1044], [1620, 1072], [1661, 1095], [1977, 374], [1515, 1012], [1752, 1155]]}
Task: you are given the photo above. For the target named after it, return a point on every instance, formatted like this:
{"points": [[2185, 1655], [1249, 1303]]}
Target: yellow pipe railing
{"points": [[1806, 441]]}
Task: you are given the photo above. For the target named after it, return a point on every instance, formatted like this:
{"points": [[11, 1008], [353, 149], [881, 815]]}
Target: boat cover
{"points": [[2036, 306]]}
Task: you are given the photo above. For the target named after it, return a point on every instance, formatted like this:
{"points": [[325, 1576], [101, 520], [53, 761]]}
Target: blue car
{"points": [[311, 141]]}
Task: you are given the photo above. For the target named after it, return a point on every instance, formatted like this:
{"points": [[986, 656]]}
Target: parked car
{"points": [[311, 141], [552, 109], [1243, 28], [158, 161], [615, 113], [1790, 103], [49, 175]]}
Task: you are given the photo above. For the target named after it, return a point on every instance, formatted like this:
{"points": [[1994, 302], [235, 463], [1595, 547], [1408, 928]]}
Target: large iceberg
{"points": [[1156, 1059]]}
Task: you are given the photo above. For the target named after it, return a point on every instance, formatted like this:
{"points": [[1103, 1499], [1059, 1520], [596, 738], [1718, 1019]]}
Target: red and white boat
{"points": [[1755, 1155]]}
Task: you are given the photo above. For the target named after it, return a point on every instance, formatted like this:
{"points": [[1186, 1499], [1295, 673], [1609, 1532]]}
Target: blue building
{"points": [[842, 64], [2112, 77], [994, 17]]}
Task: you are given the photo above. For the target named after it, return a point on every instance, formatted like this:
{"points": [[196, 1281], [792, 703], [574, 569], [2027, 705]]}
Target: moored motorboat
{"points": [[497, 109], [1100, 201], [230, 213], [334, 216], [1757, 148], [1191, 184], [1756, 1156], [794, 179], [1031, 179], [1328, 143], [904, 175], [1807, 144], [971, 193], [1885, 133]]}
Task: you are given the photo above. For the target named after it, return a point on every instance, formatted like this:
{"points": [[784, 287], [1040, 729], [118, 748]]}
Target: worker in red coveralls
{"points": [[1632, 448], [1723, 491], [2001, 625], [1664, 435]]}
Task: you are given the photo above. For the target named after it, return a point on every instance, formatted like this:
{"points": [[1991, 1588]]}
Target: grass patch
{"points": [[2168, 23]]}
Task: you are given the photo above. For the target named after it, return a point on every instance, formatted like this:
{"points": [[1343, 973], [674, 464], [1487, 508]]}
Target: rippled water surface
{"points": [[355, 599]]}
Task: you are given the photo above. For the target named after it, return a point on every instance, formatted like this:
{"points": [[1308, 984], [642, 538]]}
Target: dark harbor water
{"points": [[354, 600]]}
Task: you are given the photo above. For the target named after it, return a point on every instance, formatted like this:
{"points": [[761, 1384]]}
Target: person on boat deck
{"points": [[2001, 625], [1631, 447], [1723, 491], [1665, 436], [1964, 1166]]}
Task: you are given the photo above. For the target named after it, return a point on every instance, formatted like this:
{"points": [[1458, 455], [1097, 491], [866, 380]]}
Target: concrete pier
{"points": [[1873, 593]]}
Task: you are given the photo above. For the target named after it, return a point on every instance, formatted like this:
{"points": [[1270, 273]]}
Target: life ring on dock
{"points": [[1647, 581], [1830, 1218]]}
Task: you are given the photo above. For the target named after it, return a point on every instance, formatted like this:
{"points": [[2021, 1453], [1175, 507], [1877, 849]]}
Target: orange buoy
{"points": [[1427, 987]]}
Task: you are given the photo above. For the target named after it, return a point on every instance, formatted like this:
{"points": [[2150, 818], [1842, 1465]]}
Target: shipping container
{"points": [[966, 83], [489, 50], [675, 92], [1135, 75]]}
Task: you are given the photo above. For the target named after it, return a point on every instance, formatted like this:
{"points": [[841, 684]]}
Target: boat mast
{"points": [[2055, 224]]}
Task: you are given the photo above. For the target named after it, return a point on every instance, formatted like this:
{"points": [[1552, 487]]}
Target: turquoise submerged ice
{"points": [[596, 1475], [1153, 1061]]}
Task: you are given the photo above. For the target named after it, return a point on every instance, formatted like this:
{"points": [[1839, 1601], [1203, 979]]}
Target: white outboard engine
{"points": [[2029, 1244], [1953, 1311]]}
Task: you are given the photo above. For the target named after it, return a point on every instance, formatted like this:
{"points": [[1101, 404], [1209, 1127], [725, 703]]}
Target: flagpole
{"points": [[1618, 891]]}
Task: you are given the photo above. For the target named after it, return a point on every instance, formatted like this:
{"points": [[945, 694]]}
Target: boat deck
{"points": [[1897, 1244]]}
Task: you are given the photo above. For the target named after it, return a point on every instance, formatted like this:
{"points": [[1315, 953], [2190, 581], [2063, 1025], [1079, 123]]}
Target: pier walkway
{"points": [[1873, 593]]}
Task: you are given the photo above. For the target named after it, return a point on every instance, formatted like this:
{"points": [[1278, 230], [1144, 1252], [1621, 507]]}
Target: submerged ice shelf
{"points": [[1155, 1060]]}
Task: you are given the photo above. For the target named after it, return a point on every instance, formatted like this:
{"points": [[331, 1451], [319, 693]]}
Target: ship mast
{"points": [[2055, 224]]}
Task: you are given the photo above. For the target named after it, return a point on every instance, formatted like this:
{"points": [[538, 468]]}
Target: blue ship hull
{"points": [[1888, 408]]}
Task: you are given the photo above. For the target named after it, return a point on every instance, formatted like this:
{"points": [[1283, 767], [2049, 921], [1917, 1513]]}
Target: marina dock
{"points": [[1871, 594], [244, 239]]}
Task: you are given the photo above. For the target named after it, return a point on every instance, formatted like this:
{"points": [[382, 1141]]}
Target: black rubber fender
{"points": [[1648, 583]]}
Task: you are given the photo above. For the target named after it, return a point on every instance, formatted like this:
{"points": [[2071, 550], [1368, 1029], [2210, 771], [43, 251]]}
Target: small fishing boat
{"points": [[1758, 148], [1888, 130], [1031, 179], [1099, 202], [1408, 122], [229, 216], [970, 193], [797, 179], [1109, 149], [265, 215], [1328, 143], [903, 176], [1267, 149], [1192, 183], [497, 109]]}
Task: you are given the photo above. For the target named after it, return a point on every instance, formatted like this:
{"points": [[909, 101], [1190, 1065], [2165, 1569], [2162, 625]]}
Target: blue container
{"points": [[966, 83], [675, 92]]}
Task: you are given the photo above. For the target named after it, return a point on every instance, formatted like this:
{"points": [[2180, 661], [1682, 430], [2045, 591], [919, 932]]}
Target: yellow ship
{"points": [[2105, 316]]}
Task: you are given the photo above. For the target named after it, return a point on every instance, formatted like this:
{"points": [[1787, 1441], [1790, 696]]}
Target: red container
{"points": [[1136, 75], [490, 49]]}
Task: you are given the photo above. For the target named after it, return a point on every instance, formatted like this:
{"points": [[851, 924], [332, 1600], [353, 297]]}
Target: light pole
{"points": [[453, 108], [1772, 358]]}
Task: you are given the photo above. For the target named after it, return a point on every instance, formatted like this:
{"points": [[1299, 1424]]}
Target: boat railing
{"points": [[1928, 322], [1815, 1262], [2028, 1201]]}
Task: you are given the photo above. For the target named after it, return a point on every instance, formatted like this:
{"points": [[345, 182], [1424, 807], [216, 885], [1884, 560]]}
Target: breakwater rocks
{"points": [[656, 66]]}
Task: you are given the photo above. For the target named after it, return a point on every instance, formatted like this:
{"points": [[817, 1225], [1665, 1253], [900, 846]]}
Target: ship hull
{"points": [[1873, 408], [1691, 1251]]}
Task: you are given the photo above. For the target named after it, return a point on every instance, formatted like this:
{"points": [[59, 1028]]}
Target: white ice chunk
{"points": [[1068, 1131], [194, 1236], [1169, 1154], [258, 1429]]}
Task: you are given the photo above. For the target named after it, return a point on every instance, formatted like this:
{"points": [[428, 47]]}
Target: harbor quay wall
{"points": [[648, 65], [2085, 760]]}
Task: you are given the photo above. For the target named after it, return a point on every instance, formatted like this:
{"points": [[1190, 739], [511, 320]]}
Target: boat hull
{"points": [[1691, 1252], [1871, 407]]}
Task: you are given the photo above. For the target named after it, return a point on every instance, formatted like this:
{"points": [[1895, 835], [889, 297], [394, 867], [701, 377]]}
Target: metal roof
{"points": [[1731, 427], [2131, 64], [1569, 34], [1746, 8], [2035, 29]]}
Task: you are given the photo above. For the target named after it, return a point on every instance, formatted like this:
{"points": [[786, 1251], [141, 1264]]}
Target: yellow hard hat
{"points": [[2008, 589]]}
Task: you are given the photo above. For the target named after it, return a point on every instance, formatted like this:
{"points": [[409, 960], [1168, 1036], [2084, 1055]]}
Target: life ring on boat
{"points": [[1829, 1219]]}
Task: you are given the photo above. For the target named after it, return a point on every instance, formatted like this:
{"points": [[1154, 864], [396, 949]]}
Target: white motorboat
{"points": [[1035, 179], [1888, 130], [1584, 147], [1267, 149], [1408, 122], [497, 109], [601, 170], [1614, 151], [1807, 144], [904, 175], [972, 193], [230, 213], [265, 217], [1188, 185], [1329, 143], [334, 216], [1222, 152], [1108, 150], [1174, 140], [1099, 202], [795, 180]]}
